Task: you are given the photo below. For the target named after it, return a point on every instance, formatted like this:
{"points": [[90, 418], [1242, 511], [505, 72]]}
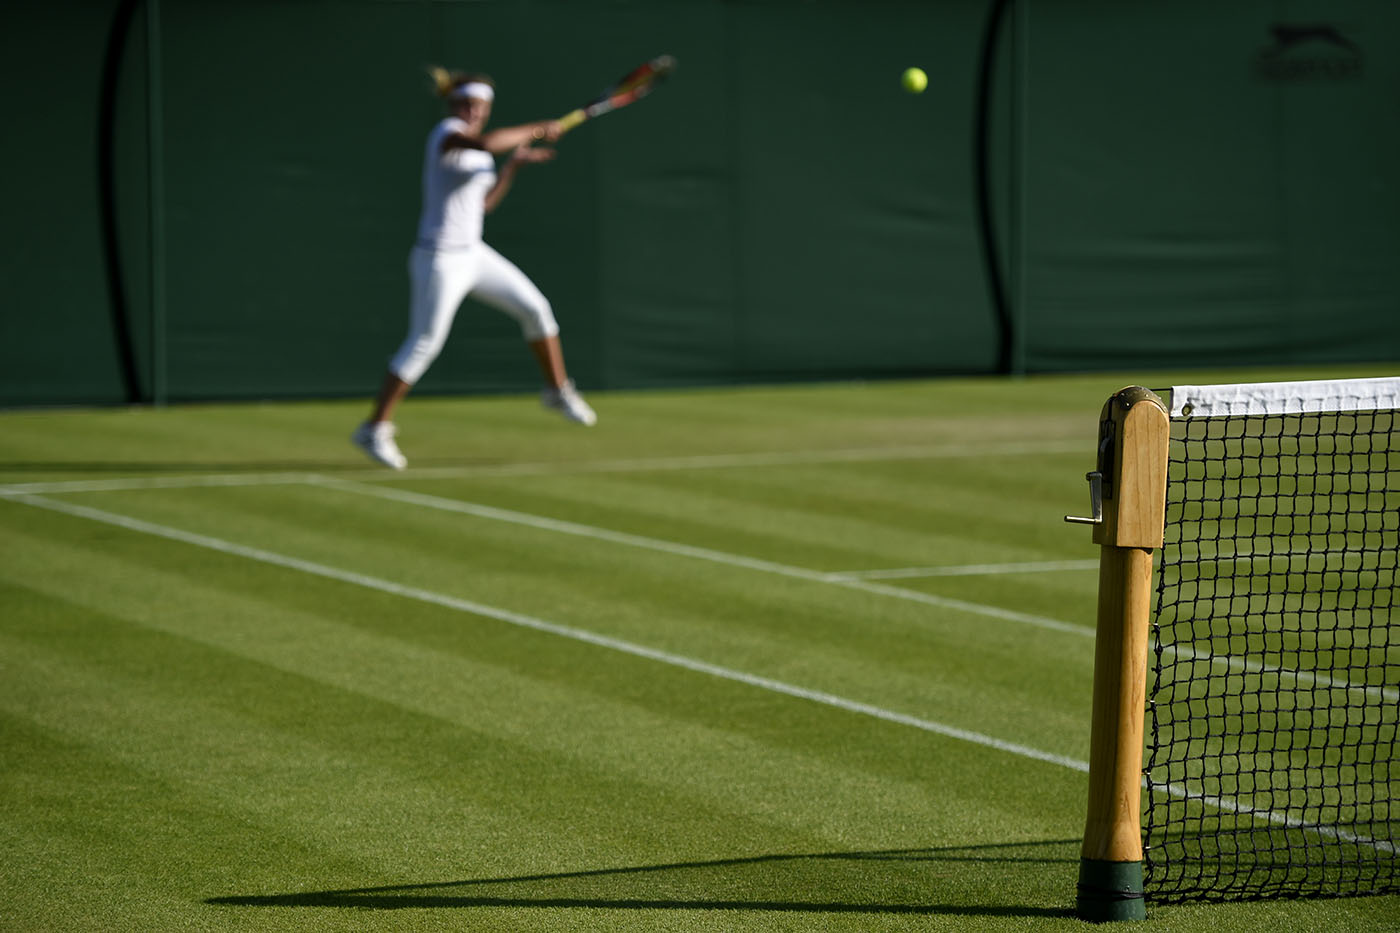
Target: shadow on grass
{"points": [[903, 881]]}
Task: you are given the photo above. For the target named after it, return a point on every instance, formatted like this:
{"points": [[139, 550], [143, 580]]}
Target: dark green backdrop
{"points": [[227, 189]]}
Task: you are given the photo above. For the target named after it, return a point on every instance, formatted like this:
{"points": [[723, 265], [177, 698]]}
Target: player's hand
{"points": [[547, 132]]}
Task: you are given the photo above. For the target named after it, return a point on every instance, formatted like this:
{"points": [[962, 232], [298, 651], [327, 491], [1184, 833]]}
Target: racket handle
{"points": [[572, 119]]}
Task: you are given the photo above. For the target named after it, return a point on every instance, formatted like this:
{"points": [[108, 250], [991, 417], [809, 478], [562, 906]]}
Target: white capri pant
{"points": [[441, 279]]}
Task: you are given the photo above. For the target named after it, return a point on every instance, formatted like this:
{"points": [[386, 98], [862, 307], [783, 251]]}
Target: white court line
{"points": [[815, 576], [1232, 805], [1305, 679], [125, 484], [968, 570], [540, 625], [777, 458], [702, 462], [664, 657], [1322, 551], [685, 550], [839, 579]]}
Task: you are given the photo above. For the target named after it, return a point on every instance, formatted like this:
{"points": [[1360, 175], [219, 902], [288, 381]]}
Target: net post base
{"points": [[1110, 891]]}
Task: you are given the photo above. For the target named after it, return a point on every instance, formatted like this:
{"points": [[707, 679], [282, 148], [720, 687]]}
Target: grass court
{"points": [[786, 658]]}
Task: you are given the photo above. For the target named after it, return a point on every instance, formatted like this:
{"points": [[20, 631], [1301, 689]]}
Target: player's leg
{"points": [[550, 357], [503, 286], [438, 283], [391, 393]]}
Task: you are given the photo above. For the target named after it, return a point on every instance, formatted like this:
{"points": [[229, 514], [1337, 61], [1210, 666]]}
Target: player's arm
{"points": [[504, 139], [506, 177], [512, 137], [456, 142]]}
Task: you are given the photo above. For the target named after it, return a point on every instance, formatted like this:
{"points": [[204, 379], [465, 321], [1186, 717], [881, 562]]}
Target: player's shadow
{"points": [[949, 880]]}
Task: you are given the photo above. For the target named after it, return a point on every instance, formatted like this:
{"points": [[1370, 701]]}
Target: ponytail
{"points": [[445, 82]]}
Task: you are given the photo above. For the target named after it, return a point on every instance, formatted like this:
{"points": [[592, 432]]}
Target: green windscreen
{"points": [[220, 205]]}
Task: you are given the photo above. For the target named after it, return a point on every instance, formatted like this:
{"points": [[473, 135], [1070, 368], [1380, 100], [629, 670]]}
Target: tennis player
{"points": [[450, 261]]}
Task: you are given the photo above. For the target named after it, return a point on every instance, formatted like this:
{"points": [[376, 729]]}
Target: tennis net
{"points": [[1273, 690]]}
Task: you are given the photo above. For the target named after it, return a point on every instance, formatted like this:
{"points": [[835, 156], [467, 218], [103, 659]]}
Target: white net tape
{"points": [[1285, 398]]}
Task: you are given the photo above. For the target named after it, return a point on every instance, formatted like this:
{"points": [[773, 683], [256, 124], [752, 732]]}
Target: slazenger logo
{"points": [[1309, 53]]}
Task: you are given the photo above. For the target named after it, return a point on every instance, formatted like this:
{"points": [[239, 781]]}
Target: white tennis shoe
{"points": [[568, 403], [376, 439]]}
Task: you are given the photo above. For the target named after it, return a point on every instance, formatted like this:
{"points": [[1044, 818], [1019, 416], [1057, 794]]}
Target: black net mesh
{"points": [[1275, 686]]}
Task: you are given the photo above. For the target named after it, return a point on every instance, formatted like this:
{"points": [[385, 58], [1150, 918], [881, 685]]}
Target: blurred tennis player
{"points": [[450, 261]]}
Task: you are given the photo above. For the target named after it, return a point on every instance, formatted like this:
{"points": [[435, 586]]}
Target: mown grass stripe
{"points": [[679, 661], [541, 625], [631, 465], [968, 570], [479, 510]]}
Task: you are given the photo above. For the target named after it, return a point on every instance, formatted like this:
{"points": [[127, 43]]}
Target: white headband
{"points": [[477, 89]]}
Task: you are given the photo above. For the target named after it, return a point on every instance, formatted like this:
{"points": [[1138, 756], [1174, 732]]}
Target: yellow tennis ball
{"points": [[914, 80]]}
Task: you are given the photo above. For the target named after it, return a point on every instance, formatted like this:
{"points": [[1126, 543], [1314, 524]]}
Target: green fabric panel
{"points": [[736, 227], [1339, 164], [857, 252], [1167, 191], [291, 153], [1184, 205], [665, 206], [56, 336]]}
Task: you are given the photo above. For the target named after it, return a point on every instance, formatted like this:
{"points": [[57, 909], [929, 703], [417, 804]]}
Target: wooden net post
{"points": [[1130, 505]]}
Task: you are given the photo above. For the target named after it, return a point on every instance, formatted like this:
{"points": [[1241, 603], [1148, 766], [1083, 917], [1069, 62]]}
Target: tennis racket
{"points": [[633, 86]]}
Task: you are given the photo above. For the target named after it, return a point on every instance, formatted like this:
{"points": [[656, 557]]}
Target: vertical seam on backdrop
{"points": [[734, 104], [156, 207]]}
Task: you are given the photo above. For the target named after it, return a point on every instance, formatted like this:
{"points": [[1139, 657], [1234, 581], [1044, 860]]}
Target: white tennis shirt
{"points": [[455, 184]]}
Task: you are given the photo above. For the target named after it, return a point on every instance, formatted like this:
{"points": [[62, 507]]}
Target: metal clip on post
{"points": [[1095, 501]]}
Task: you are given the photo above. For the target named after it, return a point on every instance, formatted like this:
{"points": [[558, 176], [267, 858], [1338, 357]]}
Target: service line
{"points": [[660, 545], [847, 581]]}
